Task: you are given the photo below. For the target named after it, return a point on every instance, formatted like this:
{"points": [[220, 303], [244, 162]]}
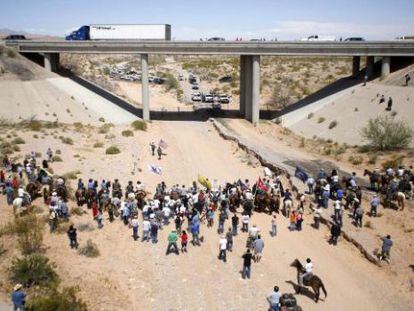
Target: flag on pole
{"points": [[301, 174], [155, 169], [260, 185], [162, 144]]}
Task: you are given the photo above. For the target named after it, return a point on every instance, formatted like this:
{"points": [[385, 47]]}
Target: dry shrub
{"points": [[89, 250], [66, 300], [112, 150], [139, 125], [127, 133], [57, 158], [356, 159], [98, 145], [395, 161]]}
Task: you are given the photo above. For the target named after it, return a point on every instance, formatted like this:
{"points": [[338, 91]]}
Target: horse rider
{"points": [[80, 184], [308, 271], [21, 193]]}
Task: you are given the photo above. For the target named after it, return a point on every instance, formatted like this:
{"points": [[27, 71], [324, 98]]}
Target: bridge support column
{"points": [[145, 87], [243, 68], [356, 60], [255, 89], [250, 87], [51, 61], [385, 66], [370, 67]]}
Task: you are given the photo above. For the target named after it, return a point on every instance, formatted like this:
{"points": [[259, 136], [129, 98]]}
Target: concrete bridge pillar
{"points": [[356, 61], [51, 61], [145, 87], [250, 87], [385, 66], [370, 67], [243, 63]]}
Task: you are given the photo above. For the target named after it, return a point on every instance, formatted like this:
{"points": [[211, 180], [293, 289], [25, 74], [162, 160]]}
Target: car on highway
{"points": [[180, 77], [216, 39], [353, 39], [15, 37], [192, 79], [208, 98], [195, 86], [319, 38]]}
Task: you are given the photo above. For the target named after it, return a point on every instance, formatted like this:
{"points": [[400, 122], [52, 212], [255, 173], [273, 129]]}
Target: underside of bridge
{"points": [[249, 80]]}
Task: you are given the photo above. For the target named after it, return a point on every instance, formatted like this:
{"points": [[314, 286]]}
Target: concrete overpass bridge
{"points": [[249, 52]]}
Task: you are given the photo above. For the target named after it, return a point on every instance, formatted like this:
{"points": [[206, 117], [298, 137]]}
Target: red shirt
{"points": [[184, 238]]}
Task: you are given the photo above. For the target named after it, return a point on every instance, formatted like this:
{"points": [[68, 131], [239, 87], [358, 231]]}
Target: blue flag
{"points": [[301, 174]]}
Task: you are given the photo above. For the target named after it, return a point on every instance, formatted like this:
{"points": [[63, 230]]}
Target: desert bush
{"points": [[139, 125], [321, 119], [15, 148], [333, 124], [57, 158], [35, 125], [71, 175], [112, 150], [34, 269], [85, 227], [278, 121], [104, 129], [77, 211], [58, 151], [372, 159], [11, 53], [98, 145], [29, 233], [171, 82], [18, 141], [310, 116], [355, 159], [387, 133], [66, 140], [394, 161], [101, 119], [368, 224], [66, 300], [89, 250], [127, 133]]}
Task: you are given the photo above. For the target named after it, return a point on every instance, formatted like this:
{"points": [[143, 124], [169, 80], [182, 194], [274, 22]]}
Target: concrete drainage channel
{"points": [[223, 132]]}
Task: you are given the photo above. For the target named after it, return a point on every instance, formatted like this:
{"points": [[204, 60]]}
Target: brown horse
{"points": [[314, 281], [80, 196], [33, 188], [266, 202]]}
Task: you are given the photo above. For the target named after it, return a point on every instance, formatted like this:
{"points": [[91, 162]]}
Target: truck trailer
{"points": [[122, 32]]}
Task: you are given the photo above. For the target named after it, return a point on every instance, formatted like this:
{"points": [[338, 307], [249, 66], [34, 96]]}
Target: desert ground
{"points": [[132, 275]]}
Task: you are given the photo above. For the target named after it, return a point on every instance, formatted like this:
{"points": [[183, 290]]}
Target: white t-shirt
{"points": [[146, 225], [166, 210], [337, 205], [253, 231], [245, 219], [308, 267], [223, 244], [134, 222]]}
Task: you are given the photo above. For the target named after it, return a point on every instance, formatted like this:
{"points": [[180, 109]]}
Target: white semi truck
{"points": [[122, 32]]}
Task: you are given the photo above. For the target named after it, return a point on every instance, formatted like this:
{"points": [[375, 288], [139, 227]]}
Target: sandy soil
{"points": [[131, 275]]}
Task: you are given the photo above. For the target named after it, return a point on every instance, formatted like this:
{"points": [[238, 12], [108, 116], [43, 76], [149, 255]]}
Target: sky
{"points": [[192, 20]]}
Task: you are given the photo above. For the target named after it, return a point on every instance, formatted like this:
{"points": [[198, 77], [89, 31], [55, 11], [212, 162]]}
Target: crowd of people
{"points": [[188, 208]]}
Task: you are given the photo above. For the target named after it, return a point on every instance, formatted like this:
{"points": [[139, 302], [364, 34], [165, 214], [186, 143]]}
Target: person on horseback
{"points": [[81, 185], [308, 271], [91, 184]]}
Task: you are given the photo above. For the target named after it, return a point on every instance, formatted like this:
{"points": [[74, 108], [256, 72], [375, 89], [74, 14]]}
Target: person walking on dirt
{"points": [[223, 248], [245, 222], [134, 225], [386, 248], [49, 154], [18, 298], [234, 224], [273, 231], [184, 241], [153, 147], [258, 246], [274, 299], [247, 262], [375, 202], [172, 242], [389, 104], [407, 79], [359, 213], [229, 237], [159, 152], [73, 242], [335, 233]]}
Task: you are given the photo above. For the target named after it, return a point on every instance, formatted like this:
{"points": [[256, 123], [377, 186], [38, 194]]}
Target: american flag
{"points": [[162, 144]]}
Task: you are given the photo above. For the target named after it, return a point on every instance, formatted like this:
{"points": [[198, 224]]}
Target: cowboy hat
{"points": [[18, 286]]}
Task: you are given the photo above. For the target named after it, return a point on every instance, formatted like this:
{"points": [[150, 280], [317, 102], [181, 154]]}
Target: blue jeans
{"points": [[135, 233], [246, 272], [274, 307], [234, 230], [274, 231], [220, 227], [154, 237], [145, 235]]}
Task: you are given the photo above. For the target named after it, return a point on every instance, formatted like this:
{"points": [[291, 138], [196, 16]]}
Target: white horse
{"points": [[19, 205], [400, 197], [287, 205]]}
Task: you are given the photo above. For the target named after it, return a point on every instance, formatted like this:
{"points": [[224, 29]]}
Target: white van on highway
{"points": [[319, 38]]}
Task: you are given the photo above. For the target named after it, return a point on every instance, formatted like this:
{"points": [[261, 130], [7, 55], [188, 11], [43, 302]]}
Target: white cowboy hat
{"points": [[54, 194], [18, 286], [356, 200]]}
